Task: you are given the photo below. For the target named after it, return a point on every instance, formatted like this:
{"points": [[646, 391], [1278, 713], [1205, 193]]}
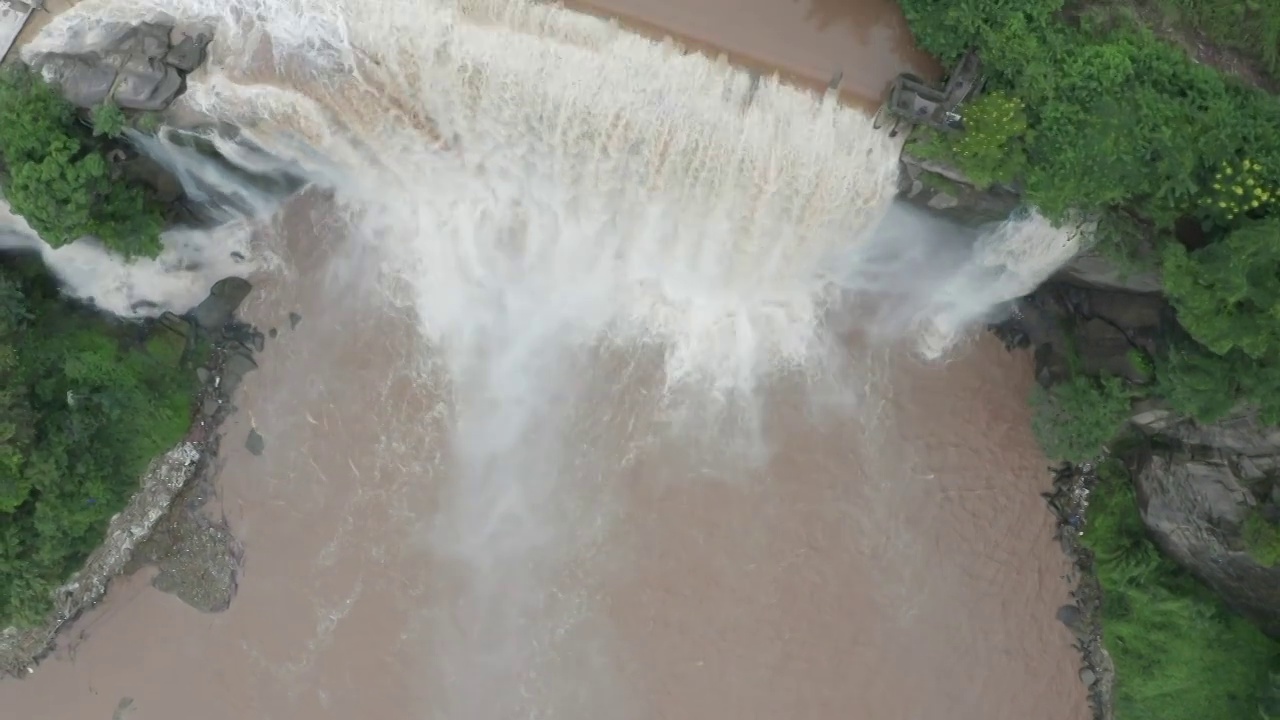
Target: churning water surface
{"points": [[611, 398]]}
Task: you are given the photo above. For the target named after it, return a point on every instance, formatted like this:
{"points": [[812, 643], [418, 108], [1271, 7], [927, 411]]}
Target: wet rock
{"points": [[237, 364], [175, 324], [294, 319], [188, 54], [273, 333], [163, 183], [1105, 349], [259, 342], [1096, 270], [943, 201], [255, 443], [146, 84], [209, 406], [1073, 618], [946, 190], [216, 311]]}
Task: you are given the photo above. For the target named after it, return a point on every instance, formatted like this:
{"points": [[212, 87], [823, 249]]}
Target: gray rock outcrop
{"points": [[1194, 501], [138, 68]]}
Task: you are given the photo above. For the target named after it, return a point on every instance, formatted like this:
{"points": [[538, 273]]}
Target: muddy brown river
{"points": [[485, 494]]}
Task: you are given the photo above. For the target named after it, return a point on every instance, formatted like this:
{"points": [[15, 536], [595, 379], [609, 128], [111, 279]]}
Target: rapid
{"points": [[623, 389]]}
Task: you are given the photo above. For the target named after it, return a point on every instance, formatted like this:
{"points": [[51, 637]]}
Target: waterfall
{"points": [[565, 209]]}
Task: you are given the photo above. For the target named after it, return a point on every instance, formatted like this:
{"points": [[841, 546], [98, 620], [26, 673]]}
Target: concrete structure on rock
{"points": [[13, 17]]}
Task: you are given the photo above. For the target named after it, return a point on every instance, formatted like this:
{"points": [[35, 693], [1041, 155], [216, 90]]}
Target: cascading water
{"points": [[608, 247], [238, 192]]}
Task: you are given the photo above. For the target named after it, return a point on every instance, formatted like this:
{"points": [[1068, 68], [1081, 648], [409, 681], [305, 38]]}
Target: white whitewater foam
{"points": [[191, 262], [1006, 263]]}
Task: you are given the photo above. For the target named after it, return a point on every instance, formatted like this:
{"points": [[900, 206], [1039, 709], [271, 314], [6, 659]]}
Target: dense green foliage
{"points": [[1228, 294], [1114, 115], [84, 406], [56, 174], [109, 120], [1179, 654], [1075, 419]]}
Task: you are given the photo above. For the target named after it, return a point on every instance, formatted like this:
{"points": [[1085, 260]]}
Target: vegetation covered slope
{"points": [[85, 404], [1089, 111], [1179, 653]]}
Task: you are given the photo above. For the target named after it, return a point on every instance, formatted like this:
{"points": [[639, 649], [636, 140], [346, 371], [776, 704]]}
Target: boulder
{"points": [[188, 54], [147, 84], [1098, 271], [84, 81], [1194, 501], [215, 311], [134, 65]]}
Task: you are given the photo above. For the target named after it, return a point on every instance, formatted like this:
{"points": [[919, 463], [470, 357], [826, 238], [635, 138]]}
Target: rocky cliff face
{"points": [[1198, 485]]}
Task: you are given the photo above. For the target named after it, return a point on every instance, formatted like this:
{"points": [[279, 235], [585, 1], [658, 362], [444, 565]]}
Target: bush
{"points": [[57, 175], [1075, 419], [1261, 539], [1179, 653], [1240, 190], [1228, 294], [109, 120], [990, 150], [84, 408]]}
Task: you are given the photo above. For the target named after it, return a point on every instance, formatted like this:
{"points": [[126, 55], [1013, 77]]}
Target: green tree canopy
{"points": [[57, 177]]}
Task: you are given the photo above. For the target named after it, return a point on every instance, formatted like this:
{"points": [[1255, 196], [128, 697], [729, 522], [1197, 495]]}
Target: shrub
{"points": [[109, 120], [989, 151], [1240, 190], [1228, 294], [1261, 539], [1179, 653], [1075, 419]]}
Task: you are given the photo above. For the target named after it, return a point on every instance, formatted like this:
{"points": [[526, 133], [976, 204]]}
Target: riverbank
{"points": [[161, 524], [1152, 347]]}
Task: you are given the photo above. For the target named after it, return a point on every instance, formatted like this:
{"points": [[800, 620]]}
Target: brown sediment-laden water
{"points": [[610, 395]]}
